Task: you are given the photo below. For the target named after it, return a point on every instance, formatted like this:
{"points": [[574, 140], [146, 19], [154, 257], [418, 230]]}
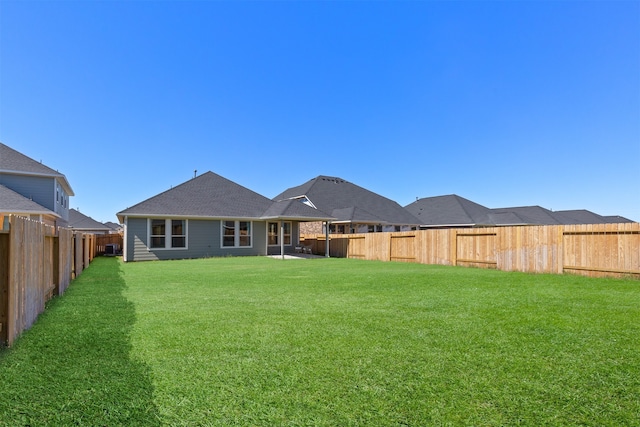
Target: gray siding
{"points": [[39, 189], [203, 240]]}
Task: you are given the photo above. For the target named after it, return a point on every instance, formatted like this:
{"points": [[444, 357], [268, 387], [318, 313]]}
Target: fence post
{"points": [[453, 246]]}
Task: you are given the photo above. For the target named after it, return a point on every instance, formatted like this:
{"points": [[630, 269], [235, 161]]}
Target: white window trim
{"points": [[168, 235], [236, 242]]}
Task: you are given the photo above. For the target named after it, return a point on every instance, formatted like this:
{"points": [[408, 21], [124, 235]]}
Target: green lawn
{"points": [[326, 342]]}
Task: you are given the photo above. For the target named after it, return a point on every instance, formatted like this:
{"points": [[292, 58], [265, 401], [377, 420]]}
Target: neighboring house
{"points": [[449, 211], [355, 209], [85, 224], [37, 183], [456, 211], [12, 203], [114, 228], [212, 216]]}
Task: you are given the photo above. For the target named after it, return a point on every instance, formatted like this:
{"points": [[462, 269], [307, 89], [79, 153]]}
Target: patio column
{"points": [[282, 239], [326, 241]]}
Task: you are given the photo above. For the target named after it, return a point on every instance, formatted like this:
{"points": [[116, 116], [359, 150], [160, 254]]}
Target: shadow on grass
{"points": [[74, 366]]}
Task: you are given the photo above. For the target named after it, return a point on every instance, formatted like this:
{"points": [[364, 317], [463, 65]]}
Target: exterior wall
{"points": [[203, 241], [39, 189], [61, 202]]}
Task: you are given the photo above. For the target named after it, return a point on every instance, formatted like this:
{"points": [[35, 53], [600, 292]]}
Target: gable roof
{"points": [[294, 209], [12, 202], [449, 210], [80, 221], [15, 163], [212, 196], [348, 202]]}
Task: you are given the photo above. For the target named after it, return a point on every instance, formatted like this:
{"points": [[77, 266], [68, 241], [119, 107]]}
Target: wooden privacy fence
{"points": [[37, 261], [102, 240], [592, 250]]}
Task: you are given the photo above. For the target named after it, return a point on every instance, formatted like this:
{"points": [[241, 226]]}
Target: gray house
{"points": [[355, 209], [212, 216], [47, 189]]}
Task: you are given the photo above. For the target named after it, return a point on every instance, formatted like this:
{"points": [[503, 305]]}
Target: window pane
{"points": [[287, 233], [157, 227], [157, 242], [245, 233], [229, 233], [177, 227], [273, 233], [178, 242]]}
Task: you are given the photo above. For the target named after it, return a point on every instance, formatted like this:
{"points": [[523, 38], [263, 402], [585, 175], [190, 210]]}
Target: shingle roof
{"points": [[212, 196], [12, 202], [80, 221], [534, 215], [349, 202], [449, 210], [294, 209], [14, 162], [616, 219], [208, 195], [579, 216]]}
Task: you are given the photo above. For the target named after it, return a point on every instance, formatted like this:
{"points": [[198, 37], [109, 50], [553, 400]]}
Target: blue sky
{"points": [[504, 103]]}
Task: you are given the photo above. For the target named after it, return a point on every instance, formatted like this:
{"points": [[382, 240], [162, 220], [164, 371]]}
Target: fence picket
{"points": [[595, 249]]}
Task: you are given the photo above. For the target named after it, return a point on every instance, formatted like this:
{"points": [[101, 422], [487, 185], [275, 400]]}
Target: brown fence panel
{"points": [[403, 247], [65, 259], [4, 283], [610, 250], [596, 250], [102, 240], [78, 254], [476, 248], [28, 274], [357, 247]]}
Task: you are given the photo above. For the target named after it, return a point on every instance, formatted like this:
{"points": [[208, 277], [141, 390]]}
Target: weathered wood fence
{"points": [[37, 261], [102, 240], [593, 250]]}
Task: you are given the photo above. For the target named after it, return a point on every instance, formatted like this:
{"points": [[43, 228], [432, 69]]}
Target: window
{"points": [[178, 233], [158, 233], [168, 233], [274, 231], [236, 234]]}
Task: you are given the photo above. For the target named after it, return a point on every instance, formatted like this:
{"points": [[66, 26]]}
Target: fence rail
{"points": [[598, 250], [37, 261]]}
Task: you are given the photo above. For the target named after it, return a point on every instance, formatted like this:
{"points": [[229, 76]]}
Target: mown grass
{"points": [[327, 342]]}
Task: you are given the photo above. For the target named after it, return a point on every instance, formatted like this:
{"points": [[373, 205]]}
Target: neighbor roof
{"points": [[347, 202], [579, 216], [12, 202], [449, 210], [80, 221], [212, 196], [530, 214], [16, 163]]}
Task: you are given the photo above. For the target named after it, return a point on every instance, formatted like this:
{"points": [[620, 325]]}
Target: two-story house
{"points": [[32, 189]]}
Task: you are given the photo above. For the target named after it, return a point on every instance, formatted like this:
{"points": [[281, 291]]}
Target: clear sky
{"points": [[505, 103]]}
